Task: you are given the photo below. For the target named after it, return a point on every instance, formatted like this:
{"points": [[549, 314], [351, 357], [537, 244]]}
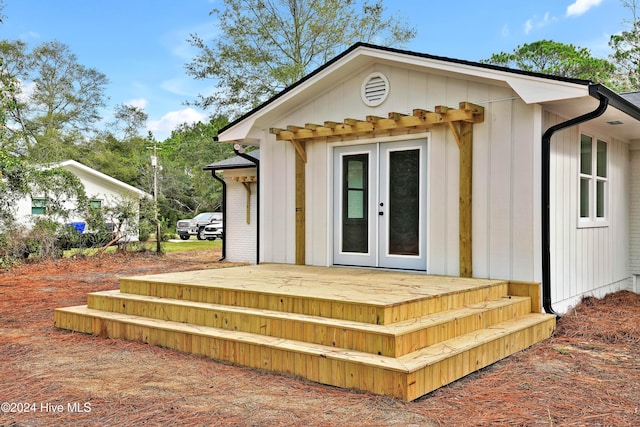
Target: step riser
{"points": [[347, 337], [432, 377], [459, 326], [358, 312], [315, 367]]}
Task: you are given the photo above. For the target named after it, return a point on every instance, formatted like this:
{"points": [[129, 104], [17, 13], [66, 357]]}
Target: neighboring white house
{"points": [[387, 158], [102, 191]]}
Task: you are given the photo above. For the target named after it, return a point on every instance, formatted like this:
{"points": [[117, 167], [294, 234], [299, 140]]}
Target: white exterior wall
{"points": [[587, 260], [241, 236], [505, 186], [634, 222]]}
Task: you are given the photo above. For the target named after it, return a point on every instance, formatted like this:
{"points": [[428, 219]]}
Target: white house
{"points": [[385, 158], [102, 191]]}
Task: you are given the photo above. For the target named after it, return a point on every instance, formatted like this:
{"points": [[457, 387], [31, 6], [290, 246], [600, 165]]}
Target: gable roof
{"points": [[236, 162], [72, 165], [572, 96]]}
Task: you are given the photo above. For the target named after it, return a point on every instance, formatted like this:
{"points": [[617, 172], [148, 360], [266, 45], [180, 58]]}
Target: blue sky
{"points": [[141, 45]]}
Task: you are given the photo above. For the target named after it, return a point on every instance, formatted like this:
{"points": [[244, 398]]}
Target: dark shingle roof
{"points": [[236, 162], [633, 97]]}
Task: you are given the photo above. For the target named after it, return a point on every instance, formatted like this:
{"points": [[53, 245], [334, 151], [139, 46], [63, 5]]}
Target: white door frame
{"points": [[377, 254]]}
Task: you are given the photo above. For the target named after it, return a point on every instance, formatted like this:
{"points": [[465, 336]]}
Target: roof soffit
{"points": [[626, 129]]}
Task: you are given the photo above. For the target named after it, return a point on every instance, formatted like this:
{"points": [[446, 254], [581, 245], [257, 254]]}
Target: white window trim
{"points": [[33, 199], [592, 221], [92, 200]]}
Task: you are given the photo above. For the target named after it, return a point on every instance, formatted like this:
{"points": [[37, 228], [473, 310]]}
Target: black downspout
{"points": [[236, 149], [546, 209], [224, 214]]}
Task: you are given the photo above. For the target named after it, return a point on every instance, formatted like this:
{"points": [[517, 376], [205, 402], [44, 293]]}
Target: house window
{"points": [[97, 204], [593, 181], [38, 206]]}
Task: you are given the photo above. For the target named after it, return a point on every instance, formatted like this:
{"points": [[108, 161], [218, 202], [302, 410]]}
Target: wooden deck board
{"points": [[372, 296], [372, 287]]}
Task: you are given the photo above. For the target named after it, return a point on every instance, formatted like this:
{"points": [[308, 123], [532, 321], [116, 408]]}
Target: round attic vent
{"points": [[375, 89]]}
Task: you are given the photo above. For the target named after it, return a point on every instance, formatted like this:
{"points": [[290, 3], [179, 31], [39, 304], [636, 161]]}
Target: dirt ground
{"points": [[587, 374]]}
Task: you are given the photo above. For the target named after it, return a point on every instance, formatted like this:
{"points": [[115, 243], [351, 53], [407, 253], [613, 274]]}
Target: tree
{"points": [[554, 58], [121, 151], [62, 103], [626, 47], [185, 187], [13, 171], [8, 89], [266, 45], [14, 184], [63, 192]]}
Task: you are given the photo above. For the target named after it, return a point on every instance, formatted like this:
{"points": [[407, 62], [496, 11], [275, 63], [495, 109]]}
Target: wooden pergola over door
{"points": [[459, 120]]}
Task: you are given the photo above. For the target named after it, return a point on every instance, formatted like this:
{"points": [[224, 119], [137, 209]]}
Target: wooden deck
{"points": [[393, 333]]}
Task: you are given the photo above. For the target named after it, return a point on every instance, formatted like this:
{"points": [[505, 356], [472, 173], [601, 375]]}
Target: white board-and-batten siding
{"points": [[241, 236], [587, 260], [505, 175], [634, 222]]}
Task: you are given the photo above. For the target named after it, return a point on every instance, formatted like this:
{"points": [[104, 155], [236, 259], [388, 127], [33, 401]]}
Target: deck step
{"points": [[388, 340], [407, 377], [394, 333], [368, 296]]}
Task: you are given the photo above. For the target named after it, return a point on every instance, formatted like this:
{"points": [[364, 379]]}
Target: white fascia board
{"points": [[531, 89], [239, 132], [70, 164]]}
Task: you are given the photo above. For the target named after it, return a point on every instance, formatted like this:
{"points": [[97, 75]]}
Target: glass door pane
{"points": [[404, 202], [402, 208], [355, 215], [355, 190]]}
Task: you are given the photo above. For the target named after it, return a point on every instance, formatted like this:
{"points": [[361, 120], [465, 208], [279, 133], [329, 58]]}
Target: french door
{"points": [[380, 205]]}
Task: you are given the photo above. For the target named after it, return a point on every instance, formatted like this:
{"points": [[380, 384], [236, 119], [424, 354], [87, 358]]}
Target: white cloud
{"points": [[536, 22], [179, 86], [528, 26], [140, 103], [581, 6], [172, 120]]}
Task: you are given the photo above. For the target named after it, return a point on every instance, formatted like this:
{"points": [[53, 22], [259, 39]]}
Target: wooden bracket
{"points": [[300, 150], [247, 187], [456, 132]]}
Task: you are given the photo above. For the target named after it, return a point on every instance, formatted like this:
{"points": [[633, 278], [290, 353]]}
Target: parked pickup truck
{"points": [[213, 230], [186, 228]]}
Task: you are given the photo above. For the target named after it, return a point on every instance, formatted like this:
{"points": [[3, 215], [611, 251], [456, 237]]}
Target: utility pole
{"points": [[154, 165]]}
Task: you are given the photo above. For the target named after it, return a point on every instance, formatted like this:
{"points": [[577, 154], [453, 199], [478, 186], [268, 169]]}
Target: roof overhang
{"points": [[72, 164], [561, 95], [236, 162]]}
